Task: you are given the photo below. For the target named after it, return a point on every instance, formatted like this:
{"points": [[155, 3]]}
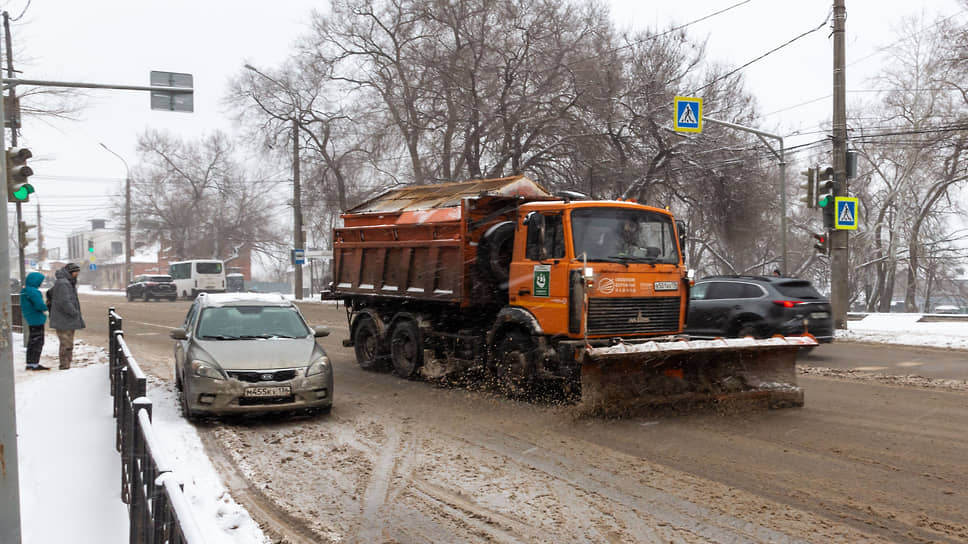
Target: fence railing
{"points": [[157, 509]]}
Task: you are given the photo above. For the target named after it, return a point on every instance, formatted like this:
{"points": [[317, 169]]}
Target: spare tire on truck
{"points": [[494, 254]]}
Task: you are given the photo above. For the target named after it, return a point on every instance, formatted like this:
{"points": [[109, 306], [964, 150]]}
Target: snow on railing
{"points": [[157, 509]]}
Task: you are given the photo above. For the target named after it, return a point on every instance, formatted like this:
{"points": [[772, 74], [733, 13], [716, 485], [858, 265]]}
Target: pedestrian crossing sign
{"points": [[688, 114], [846, 208]]}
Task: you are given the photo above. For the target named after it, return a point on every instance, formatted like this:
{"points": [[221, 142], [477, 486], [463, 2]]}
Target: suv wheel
{"points": [[748, 329]]}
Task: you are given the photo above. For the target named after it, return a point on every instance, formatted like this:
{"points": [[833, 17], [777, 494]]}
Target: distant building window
{"points": [[117, 248]]}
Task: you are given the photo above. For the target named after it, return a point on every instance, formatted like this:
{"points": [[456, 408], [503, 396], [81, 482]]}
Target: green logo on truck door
{"points": [[542, 280]]}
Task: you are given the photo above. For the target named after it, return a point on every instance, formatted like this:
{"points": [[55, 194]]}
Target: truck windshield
{"points": [[623, 235]]}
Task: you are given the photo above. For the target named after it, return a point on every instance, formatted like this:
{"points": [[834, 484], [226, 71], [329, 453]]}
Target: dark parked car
{"points": [[148, 287], [757, 306]]}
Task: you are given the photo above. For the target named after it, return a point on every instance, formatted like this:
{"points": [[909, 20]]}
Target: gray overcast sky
{"points": [[120, 41]]}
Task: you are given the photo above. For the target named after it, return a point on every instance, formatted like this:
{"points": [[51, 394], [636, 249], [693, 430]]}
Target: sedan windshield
{"points": [[623, 235], [249, 322]]}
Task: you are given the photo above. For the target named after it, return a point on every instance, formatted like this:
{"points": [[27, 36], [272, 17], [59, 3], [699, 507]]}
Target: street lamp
{"points": [[296, 204], [127, 216]]}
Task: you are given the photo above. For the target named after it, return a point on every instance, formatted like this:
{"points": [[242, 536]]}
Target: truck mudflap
{"points": [[625, 379]]}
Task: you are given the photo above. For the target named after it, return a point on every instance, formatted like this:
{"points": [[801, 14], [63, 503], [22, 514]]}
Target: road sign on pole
{"points": [[172, 100], [846, 210], [688, 114]]}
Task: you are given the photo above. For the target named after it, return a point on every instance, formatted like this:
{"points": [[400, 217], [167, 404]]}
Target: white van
{"points": [[197, 276]]}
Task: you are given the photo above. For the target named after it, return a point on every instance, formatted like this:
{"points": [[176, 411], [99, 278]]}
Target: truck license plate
{"points": [[666, 285], [281, 391]]}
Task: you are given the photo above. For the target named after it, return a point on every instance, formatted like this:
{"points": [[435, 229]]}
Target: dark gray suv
{"points": [[758, 306]]}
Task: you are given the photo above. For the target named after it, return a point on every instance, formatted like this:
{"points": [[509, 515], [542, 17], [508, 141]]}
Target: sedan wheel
{"points": [[183, 396]]}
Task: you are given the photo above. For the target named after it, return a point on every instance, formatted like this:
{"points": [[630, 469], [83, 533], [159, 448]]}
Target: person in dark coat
{"points": [[65, 311], [35, 315]]}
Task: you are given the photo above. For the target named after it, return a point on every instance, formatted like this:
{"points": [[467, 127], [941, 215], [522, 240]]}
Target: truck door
{"points": [[539, 282]]}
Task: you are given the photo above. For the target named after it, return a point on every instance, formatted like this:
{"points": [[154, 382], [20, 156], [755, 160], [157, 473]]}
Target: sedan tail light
{"points": [[787, 303]]}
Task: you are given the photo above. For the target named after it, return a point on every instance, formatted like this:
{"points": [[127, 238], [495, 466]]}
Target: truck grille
{"points": [[629, 316]]}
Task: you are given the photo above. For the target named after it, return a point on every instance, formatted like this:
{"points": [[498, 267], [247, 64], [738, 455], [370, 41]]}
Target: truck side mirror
{"points": [[536, 250], [681, 230]]}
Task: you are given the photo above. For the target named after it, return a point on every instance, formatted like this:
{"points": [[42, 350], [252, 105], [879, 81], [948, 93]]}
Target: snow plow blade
{"points": [[626, 379]]}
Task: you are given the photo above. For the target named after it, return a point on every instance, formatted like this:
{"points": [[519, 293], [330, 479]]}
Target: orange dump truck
{"points": [[498, 278]]}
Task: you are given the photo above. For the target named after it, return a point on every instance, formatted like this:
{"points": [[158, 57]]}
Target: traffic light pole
{"points": [[10, 475], [781, 156]]}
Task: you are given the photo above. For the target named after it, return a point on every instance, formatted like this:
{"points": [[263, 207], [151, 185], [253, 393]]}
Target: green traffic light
{"points": [[23, 192], [824, 201]]}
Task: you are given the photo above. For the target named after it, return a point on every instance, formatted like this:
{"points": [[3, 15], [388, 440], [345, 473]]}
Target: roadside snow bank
{"points": [[905, 329]]}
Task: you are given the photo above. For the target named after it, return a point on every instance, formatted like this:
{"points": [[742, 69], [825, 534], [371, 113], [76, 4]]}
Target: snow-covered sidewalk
{"points": [[70, 473]]}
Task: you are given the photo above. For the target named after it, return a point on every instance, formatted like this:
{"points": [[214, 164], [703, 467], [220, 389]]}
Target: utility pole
{"points": [[297, 232], [13, 135], [296, 206], [838, 238]]}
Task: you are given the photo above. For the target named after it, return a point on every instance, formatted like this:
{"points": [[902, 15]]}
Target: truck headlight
{"points": [[204, 369], [318, 366]]}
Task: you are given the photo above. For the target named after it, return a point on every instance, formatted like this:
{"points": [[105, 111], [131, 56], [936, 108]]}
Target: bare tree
{"points": [[196, 198]]}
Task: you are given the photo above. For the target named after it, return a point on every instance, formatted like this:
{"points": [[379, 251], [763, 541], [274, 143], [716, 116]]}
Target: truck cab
{"points": [[619, 260]]}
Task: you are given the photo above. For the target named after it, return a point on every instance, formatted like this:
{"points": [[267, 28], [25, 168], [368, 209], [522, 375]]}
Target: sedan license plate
{"points": [[819, 315], [281, 391]]}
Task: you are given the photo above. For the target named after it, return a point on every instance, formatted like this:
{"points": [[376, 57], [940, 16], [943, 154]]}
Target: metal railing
{"points": [[157, 509]]}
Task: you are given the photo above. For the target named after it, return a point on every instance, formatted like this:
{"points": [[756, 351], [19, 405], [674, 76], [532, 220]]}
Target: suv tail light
{"points": [[787, 303]]}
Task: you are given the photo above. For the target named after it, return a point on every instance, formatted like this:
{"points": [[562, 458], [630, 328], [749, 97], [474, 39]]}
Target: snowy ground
{"points": [[64, 422]]}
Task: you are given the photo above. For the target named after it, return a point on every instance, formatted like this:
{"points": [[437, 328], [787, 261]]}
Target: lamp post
{"points": [[297, 234], [127, 215]]}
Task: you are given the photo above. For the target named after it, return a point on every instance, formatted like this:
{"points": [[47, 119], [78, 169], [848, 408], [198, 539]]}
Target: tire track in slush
{"points": [[675, 512], [378, 488]]}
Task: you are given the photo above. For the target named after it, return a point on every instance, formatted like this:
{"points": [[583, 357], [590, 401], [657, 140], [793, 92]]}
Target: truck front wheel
{"points": [[367, 344], [406, 351], [514, 367]]}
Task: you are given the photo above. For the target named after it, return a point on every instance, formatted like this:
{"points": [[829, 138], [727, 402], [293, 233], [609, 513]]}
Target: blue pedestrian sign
{"points": [[688, 114], [846, 208], [92, 267]]}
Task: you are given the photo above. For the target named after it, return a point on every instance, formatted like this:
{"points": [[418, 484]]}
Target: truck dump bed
{"points": [[420, 243]]}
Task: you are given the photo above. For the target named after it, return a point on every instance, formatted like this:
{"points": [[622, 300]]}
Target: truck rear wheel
{"points": [[368, 345], [406, 351]]}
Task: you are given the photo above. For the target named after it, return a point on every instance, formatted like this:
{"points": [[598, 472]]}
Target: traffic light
{"points": [[22, 232], [18, 189], [90, 247], [826, 193], [810, 186], [822, 245]]}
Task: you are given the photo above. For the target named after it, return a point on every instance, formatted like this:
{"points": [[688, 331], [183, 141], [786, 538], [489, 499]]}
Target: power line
{"points": [[761, 57]]}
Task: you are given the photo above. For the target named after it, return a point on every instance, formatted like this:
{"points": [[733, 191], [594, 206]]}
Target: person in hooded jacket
{"points": [[65, 311], [35, 315]]}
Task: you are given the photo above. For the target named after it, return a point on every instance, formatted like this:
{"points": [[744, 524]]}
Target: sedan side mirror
{"points": [[320, 331], [178, 334]]}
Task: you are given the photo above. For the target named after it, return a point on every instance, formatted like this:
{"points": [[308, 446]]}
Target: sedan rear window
{"points": [[247, 322], [799, 289]]}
